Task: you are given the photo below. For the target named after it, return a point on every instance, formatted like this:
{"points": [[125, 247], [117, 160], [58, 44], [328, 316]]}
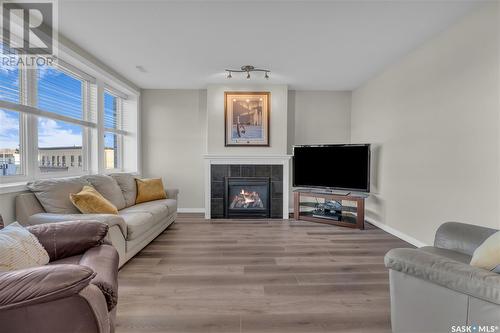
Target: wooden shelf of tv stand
{"points": [[360, 208]]}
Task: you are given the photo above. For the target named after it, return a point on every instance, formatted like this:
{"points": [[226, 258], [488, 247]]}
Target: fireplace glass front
{"points": [[247, 197]]}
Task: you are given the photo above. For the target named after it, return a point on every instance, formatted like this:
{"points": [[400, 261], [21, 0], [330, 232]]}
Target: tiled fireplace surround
{"points": [[220, 167]]}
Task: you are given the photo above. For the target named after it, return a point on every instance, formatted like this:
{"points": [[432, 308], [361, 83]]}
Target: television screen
{"points": [[345, 167]]}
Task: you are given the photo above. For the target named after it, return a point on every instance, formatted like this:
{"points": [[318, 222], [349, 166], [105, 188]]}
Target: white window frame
{"points": [[101, 79], [119, 132], [28, 124], [84, 123]]}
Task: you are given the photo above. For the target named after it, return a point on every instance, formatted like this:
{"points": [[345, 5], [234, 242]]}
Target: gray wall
{"points": [[174, 125], [174, 141], [433, 118], [320, 116]]}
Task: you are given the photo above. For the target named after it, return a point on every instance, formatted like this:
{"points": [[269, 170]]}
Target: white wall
{"points": [[174, 140], [277, 127], [321, 117], [434, 121]]}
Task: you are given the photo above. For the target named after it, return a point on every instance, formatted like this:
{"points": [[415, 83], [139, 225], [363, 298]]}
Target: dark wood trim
{"points": [[268, 93], [360, 209]]}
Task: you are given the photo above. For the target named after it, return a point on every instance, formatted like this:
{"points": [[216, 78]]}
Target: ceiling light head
{"points": [[247, 69]]}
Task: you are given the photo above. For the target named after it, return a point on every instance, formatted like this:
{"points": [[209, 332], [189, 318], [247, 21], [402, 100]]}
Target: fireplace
{"points": [[247, 197], [218, 198]]}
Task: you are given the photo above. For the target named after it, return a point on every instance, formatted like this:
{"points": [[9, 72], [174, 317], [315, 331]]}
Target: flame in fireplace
{"points": [[247, 199], [248, 196]]}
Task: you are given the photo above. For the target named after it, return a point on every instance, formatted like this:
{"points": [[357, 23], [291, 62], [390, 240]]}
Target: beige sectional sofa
{"points": [[132, 229]]}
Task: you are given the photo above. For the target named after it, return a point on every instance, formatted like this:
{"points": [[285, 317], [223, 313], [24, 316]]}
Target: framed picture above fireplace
{"points": [[246, 118]]}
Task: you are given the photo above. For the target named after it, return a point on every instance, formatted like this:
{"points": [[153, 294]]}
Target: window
{"points": [[10, 146], [53, 111], [59, 138], [61, 95], [10, 123], [113, 130]]}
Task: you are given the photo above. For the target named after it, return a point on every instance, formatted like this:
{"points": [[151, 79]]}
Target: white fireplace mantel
{"points": [[283, 160]]}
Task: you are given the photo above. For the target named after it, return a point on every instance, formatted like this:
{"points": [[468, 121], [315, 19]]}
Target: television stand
{"points": [[328, 208]]}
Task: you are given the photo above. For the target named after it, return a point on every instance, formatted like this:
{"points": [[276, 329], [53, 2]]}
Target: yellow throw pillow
{"points": [[149, 190], [487, 255], [89, 201]]}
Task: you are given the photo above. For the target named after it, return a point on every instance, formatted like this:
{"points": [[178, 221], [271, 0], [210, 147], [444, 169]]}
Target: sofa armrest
{"points": [[66, 239], [42, 284], [461, 237], [172, 193], [446, 272], [108, 219], [103, 260]]}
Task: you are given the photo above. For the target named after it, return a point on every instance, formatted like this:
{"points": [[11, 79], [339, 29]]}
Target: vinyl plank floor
{"points": [[244, 276]]}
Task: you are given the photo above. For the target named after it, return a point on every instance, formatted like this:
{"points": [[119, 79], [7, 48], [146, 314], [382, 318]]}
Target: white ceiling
{"points": [[325, 45]]}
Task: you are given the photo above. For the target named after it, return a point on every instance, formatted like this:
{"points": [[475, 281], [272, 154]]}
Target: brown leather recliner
{"points": [[76, 292]]}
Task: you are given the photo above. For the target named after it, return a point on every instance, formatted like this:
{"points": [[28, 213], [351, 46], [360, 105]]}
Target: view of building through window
{"points": [[58, 144], [10, 157], [10, 145], [111, 140], [61, 94]]}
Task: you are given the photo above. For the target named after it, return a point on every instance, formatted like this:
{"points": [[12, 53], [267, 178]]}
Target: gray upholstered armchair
{"points": [[434, 288], [76, 292]]}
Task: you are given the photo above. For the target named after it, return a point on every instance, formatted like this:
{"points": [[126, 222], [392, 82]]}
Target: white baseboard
{"points": [[191, 210], [396, 233], [393, 232]]}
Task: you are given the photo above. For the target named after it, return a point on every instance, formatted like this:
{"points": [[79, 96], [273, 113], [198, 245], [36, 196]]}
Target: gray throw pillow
{"points": [[53, 194], [108, 188], [126, 181]]}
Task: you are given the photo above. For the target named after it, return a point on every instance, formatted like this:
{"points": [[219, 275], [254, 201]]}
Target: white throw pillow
{"points": [[487, 255], [20, 249]]}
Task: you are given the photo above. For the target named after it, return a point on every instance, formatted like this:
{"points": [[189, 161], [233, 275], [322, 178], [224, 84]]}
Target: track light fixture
{"points": [[247, 69]]}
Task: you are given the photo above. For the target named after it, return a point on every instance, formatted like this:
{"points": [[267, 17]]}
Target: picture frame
{"points": [[247, 118]]}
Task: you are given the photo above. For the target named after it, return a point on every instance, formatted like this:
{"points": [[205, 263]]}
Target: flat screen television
{"points": [[342, 167]]}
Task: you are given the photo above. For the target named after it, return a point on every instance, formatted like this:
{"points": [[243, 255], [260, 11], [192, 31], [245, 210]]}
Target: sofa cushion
{"points": [[126, 181], [138, 223], [53, 194], [70, 238], [171, 204], [109, 188], [158, 208], [109, 219], [89, 201]]}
